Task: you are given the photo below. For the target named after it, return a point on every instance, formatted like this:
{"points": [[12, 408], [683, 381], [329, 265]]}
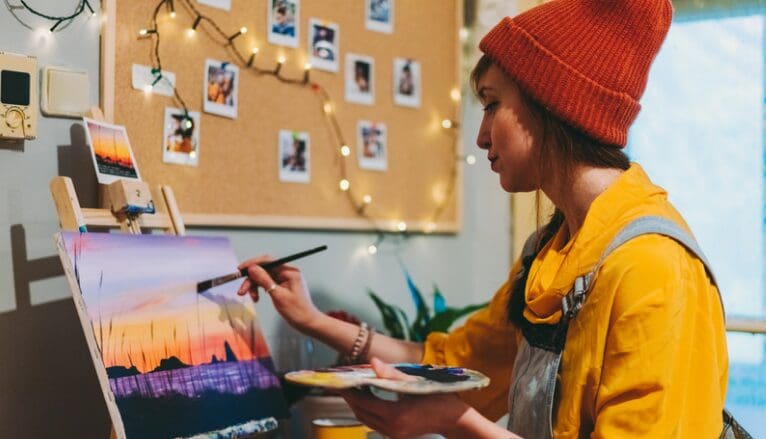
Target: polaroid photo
{"points": [[294, 156], [379, 15], [110, 149], [372, 145], [360, 79], [324, 45], [407, 82], [220, 88], [180, 141], [284, 22], [220, 4]]}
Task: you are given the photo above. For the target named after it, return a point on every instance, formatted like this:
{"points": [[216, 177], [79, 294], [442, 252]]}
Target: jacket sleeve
{"points": [[665, 361], [487, 342]]}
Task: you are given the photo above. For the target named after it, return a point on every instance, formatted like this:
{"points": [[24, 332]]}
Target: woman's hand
{"points": [[410, 415], [286, 287]]}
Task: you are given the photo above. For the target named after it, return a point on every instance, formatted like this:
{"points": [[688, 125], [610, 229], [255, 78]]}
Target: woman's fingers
{"points": [[384, 370]]}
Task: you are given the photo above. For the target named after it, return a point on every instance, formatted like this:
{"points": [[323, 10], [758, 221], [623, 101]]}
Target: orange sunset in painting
{"points": [[111, 149], [178, 363]]}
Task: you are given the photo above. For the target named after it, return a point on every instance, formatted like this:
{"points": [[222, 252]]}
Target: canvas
{"points": [[172, 363]]}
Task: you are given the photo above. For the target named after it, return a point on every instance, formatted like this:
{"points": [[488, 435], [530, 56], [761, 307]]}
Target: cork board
{"points": [[236, 182]]}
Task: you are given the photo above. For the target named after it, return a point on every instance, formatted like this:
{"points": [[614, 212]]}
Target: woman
{"points": [[645, 355]]}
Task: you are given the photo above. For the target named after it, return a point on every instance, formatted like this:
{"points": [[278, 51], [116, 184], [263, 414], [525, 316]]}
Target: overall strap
{"points": [[573, 301]]}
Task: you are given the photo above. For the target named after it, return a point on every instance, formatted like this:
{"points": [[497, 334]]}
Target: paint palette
{"points": [[429, 379]]}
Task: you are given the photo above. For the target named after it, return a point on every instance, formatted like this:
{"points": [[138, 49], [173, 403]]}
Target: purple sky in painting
{"points": [[149, 274]]}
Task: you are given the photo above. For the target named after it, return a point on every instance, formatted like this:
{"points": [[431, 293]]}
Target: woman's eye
{"points": [[490, 107]]}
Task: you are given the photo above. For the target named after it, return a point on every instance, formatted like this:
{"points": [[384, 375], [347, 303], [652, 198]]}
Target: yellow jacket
{"points": [[645, 357]]}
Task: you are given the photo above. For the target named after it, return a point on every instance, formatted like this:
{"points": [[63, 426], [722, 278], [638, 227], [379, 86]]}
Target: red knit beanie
{"points": [[586, 61]]}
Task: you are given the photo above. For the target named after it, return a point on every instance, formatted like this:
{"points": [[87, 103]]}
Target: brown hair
{"points": [[564, 146]]}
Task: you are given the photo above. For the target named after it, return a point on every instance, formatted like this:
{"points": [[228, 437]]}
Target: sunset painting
{"points": [[110, 148], [178, 363]]}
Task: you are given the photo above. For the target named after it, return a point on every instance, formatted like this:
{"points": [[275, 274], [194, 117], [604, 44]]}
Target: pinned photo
{"points": [[283, 22], [220, 4], [220, 88], [372, 145], [181, 137], [294, 156], [110, 149], [360, 80], [379, 15], [406, 82], [323, 45]]}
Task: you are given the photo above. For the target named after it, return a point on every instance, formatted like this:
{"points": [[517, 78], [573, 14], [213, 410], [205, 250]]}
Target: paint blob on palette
{"points": [[171, 362], [428, 379]]}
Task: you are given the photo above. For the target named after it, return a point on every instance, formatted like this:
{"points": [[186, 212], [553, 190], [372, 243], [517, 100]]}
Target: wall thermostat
{"points": [[18, 96]]}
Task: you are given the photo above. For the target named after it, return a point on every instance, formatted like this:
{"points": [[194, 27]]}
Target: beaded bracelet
{"points": [[359, 342], [363, 355]]}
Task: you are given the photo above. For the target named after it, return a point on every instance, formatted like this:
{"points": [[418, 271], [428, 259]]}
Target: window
{"points": [[701, 136]]}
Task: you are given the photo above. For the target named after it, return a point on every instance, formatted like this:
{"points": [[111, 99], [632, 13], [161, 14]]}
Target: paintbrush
{"points": [[210, 283]]}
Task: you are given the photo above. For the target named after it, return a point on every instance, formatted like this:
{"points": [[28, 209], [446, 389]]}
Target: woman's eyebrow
{"points": [[483, 91]]}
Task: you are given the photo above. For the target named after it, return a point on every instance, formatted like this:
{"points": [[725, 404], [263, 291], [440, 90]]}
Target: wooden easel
{"points": [[73, 217]]}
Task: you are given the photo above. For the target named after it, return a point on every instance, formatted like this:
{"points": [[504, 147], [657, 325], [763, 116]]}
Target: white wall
{"points": [[47, 384]]}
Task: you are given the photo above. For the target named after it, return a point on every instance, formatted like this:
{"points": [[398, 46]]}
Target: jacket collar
{"points": [[558, 264]]}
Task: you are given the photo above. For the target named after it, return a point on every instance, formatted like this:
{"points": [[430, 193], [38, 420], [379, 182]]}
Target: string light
{"points": [[280, 60], [455, 94], [470, 159], [57, 20], [448, 124], [146, 32], [148, 88], [172, 9], [306, 70], [193, 29], [327, 106], [252, 57], [242, 30]]}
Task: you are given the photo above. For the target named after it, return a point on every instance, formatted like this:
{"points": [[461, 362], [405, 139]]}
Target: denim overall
{"points": [[533, 384]]}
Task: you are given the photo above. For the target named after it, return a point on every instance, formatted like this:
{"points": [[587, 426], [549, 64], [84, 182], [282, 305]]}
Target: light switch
{"points": [[65, 92]]}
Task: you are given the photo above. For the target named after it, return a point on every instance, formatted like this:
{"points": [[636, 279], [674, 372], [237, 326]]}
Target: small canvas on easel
{"points": [[171, 362], [111, 152]]}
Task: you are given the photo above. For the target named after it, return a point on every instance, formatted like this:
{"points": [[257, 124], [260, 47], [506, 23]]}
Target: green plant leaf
{"points": [[440, 304], [391, 315], [422, 316], [442, 321]]}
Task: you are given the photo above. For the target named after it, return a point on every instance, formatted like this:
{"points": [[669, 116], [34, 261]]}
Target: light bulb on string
{"points": [[171, 9], [345, 151], [455, 94], [372, 249], [344, 185], [252, 57], [280, 60], [470, 159], [448, 123], [401, 226], [148, 88], [242, 30], [327, 107], [146, 32], [367, 199], [87, 5], [193, 28], [306, 71]]}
